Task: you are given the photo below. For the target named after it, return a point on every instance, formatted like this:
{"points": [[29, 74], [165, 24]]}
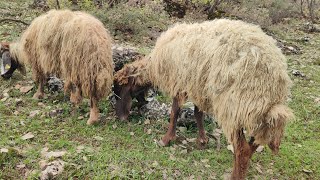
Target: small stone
{"points": [[27, 136], [25, 89], [4, 99], [114, 126], [260, 149], [98, 138], [41, 104], [6, 91], [147, 121], [192, 140], [4, 150], [21, 166], [185, 151], [230, 148], [17, 86], [85, 158], [43, 164], [182, 129], [34, 113], [18, 101], [155, 164]]}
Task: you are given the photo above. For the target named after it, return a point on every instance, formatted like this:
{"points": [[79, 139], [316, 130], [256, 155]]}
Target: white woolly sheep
{"points": [[229, 69], [74, 46]]}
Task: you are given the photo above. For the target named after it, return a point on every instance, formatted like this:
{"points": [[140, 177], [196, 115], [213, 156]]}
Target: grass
{"points": [[115, 149]]}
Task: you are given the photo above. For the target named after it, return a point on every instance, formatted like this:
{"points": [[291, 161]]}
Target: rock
{"points": [[4, 150], [18, 101], [52, 154], [297, 73], [123, 55], [25, 89], [147, 122], [317, 100], [29, 135], [182, 129], [287, 48], [311, 28], [260, 149], [98, 138], [6, 91], [21, 166], [54, 84], [52, 169], [230, 148], [17, 86], [55, 112], [155, 110], [34, 113], [4, 99]]}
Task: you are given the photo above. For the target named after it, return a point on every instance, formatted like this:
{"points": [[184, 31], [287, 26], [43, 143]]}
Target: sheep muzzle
{"points": [[7, 65]]}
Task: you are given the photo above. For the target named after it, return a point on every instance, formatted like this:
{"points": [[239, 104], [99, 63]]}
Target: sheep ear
{"points": [[4, 46]]}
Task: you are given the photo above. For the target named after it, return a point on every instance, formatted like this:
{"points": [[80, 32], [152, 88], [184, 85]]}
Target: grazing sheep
{"points": [[229, 69], [72, 45]]}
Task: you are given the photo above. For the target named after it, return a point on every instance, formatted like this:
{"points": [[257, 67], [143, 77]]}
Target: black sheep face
{"points": [[8, 64]]}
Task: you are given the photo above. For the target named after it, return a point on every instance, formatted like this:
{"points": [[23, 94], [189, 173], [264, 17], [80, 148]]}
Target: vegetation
{"points": [[115, 149]]}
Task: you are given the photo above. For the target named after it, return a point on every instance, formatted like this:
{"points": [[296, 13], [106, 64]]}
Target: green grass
{"points": [[113, 153]]}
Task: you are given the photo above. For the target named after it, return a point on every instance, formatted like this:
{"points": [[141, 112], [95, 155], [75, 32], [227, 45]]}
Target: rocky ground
{"points": [[50, 138]]}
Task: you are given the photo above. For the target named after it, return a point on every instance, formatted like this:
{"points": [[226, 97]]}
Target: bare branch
{"points": [[58, 4], [14, 20]]}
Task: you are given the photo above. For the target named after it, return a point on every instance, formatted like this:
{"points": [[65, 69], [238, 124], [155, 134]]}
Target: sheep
{"points": [[229, 69], [71, 45]]}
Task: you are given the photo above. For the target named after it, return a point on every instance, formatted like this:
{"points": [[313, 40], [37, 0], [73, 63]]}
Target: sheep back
{"points": [[229, 69], [71, 45]]}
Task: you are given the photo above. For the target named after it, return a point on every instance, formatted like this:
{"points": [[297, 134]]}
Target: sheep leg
{"points": [[76, 95], [94, 111], [202, 140], [171, 133], [41, 80], [242, 155]]}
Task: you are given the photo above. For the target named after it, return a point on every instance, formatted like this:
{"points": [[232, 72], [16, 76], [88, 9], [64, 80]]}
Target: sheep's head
{"points": [[9, 64], [129, 83]]}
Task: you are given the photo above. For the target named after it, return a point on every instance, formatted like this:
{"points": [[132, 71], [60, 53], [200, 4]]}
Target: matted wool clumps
{"points": [[229, 69], [72, 45]]}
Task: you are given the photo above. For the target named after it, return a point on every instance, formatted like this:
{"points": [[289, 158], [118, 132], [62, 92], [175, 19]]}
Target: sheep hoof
{"points": [[38, 96], [161, 143], [165, 141], [92, 121], [202, 143]]}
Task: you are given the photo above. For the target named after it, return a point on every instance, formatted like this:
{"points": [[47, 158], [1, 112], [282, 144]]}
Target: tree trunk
{"points": [[301, 8], [311, 9], [58, 4]]}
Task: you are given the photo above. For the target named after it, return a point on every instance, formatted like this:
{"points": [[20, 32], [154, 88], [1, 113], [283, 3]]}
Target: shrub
{"points": [[133, 23]]}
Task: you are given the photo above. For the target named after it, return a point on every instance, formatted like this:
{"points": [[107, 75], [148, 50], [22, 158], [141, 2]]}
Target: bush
{"points": [[282, 9], [263, 12], [135, 24]]}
